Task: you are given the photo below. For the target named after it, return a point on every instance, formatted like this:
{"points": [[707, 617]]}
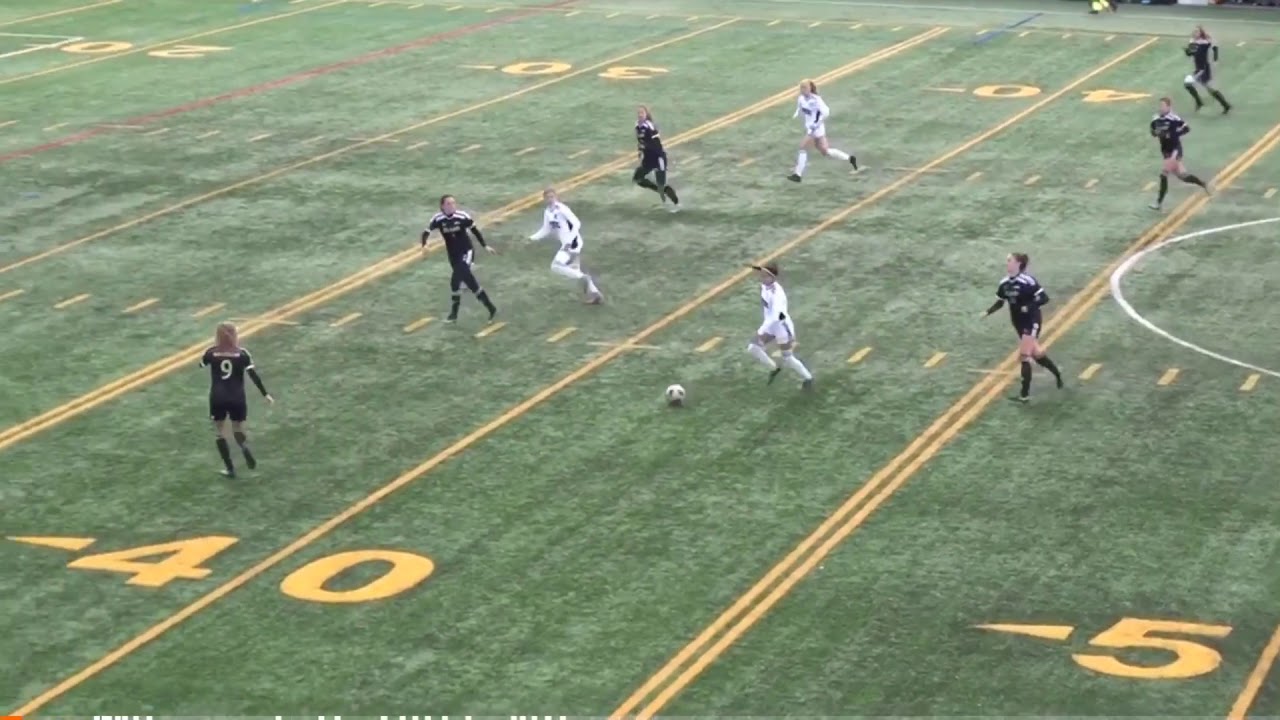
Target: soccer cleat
{"points": [[451, 319], [673, 209], [493, 314], [1060, 383], [1023, 399], [1155, 206], [853, 160], [793, 177], [807, 384], [773, 374], [251, 461], [227, 473]]}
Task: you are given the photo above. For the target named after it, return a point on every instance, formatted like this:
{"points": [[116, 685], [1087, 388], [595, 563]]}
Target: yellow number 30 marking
{"points": [[624, 72], [1190, 659], [1006, 91]]}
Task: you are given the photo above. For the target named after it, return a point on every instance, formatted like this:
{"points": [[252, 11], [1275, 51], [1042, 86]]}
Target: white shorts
{"points": [[782, 331], [818, 132]]}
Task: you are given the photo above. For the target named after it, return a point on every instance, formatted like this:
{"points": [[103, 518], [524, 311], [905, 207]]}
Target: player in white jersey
{"points": [[815, 112], [557, 218], [777, 327]]}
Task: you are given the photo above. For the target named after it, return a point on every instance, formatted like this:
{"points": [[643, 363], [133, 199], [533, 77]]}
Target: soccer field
{"points": [[503, 519]]}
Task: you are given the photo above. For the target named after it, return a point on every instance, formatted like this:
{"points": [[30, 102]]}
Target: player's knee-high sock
{"points": [[648, 184], [790, 360], [574, 273], [1222, 100], [243, 441], [455, 301], [668, 192], [1026, 378], [802, 159], [483, 297], [1164, 189], [1044, 362], [224, 451], [842, 155], [1195, 95], [1194, 180], [758, 352]]}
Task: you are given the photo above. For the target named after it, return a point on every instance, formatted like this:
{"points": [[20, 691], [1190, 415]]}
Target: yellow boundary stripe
{"points": [[658, 682], [219, 192], [57, 13], [457, 447], [1257, 678], [734, 623], [157, 46], [252, 326]]}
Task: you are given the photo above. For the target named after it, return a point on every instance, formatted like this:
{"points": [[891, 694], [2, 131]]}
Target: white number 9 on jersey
{"points": [[226, 367]]}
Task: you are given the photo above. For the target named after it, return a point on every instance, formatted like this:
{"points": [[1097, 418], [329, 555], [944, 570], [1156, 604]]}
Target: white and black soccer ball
{"points": [[675, 394]]}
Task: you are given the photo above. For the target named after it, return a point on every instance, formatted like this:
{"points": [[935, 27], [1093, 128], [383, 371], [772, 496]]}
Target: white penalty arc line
{"points": [[1137, 317]]}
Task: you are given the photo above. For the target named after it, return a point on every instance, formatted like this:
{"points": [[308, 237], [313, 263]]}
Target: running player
{"points": [[815, 112], [653, 159], [228, 363], [1025, 297], [1199, 50], [559, 219], [1168, 129], [777, 327], [454, 225]]}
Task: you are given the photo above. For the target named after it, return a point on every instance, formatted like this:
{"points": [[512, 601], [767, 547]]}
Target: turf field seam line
{"points": [[730, 615], [336, 152], [967, 409], [157, 46], [513, 413], [1257, 678], [285, 81], [58, 13], [316, 298]]}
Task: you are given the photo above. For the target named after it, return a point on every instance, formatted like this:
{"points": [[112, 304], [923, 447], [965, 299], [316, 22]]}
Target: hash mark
{"points": [[1090, 371], [855, 26], [1270, 193], [814, 25], [315, 139], [579, 154], [208, 310], [345, 319], [935, 359], [775, 22], [1024, 33], [611, 16], [1149, 186], [418, 324], [7, 123], [157, 131], [709, 345], [1168, 378], [71, 301], [11, 294], [55, 127], [209, 134], [491, 330], [561, 334], [263, 136], [525, 151], [896, 29], [451, 9], [571, 14], [469, 148], [417, 145], [974, 176], [1250, 382], [1109, 38], [141, 305], [1032, 180], [1091, 183], [859, 356], [746, 161]]}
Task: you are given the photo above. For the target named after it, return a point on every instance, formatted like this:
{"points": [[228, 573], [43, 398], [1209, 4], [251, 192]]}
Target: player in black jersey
{"points": [[1199, 50], [454, 225], [653, 159], [228, 363], [1025, 297], [1168, 129]]}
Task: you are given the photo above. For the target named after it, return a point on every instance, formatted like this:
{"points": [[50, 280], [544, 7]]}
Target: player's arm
{"points": [[544, 231], [207, 358], [999, 303], [799, 107], [823, 112], [475, 232], [1215, 52], [252, 371], [1183, 129], [571, 220], [426, 234], [1040, 297]]}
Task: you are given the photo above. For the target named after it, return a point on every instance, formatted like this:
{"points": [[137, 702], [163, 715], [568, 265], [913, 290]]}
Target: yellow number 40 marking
{"points": [[160, 564], [1189, 658]]}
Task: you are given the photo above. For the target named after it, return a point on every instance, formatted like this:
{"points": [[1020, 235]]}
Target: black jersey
{"points": [[1025, 297], [457, 229], [1168, 129], [648, 139], [227, 371], [1200, 50]]}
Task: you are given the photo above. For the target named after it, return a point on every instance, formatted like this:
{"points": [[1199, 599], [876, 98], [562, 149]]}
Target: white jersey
{"points": [[814, 112], [559, 219], [777, 318]]}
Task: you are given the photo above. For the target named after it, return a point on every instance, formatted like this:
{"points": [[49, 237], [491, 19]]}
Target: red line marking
{"points": [[280, 82]]}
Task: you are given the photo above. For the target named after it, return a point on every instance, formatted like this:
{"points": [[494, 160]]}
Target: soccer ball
{"points": [[675, 394]]}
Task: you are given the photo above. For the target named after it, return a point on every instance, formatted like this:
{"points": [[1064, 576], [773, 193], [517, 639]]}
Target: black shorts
{"points": [[1027, 328], [463, 261], [1172, 153], [650, 163], [1203, 75], [233, 409]]}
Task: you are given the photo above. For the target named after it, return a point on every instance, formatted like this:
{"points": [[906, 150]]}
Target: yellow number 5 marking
{"points": [[406, 571], [186, 52], [536, 68], [183, 560], [95, 48], [1006, 91], [624, 72], [1190, 659]]}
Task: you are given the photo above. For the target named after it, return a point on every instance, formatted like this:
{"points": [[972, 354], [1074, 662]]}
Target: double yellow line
{"points": [[704, 649], [186, 356]]}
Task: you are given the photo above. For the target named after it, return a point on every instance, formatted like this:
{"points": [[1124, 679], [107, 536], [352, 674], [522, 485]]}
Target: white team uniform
{"points": [[815, 113], [777, 318], [559, 219]]}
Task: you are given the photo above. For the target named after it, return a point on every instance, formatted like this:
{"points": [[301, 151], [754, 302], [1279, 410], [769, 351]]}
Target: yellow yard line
{"points": [[231, 585], [1257, 678], [166, 43], [56, 13], [257, 179], [405, 258], [778, 581]]}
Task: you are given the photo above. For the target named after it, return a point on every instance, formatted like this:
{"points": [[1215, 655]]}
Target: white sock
{"points": [[794, 363], [758, 352], [591, 284], [802, 159], [838, 154]]}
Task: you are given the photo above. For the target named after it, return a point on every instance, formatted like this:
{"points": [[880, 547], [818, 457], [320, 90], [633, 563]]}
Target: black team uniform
{"points": [[457, 245], [1199, 51], [227, 400], [1025, 297], [653, 159], [1168, 129]]}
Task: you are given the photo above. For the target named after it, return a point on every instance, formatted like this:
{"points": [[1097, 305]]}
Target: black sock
{"points": [[483, 297], [224, 450], [243, 441], [454, 303], [1164, 189], [648, 184], [1194, 95], [1026, 378], [671, 193], [1051, 366], [1221, 99], [1189, 178]]}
